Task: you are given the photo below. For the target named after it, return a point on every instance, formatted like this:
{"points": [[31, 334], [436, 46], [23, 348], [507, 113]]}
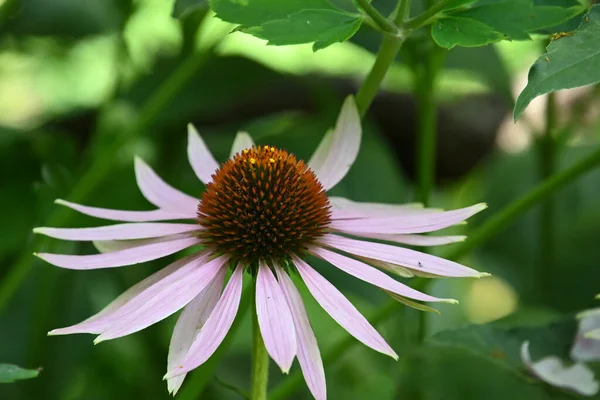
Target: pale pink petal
{"points": [[162, 299], [201, 159], [118, 232], [215, 328], [342, 208], [109, 311], [372, 276], [397, 255], [309, 356], [127, 216], [274, 319], [241, 142], [160, 193], [414, 240], [189, 324], [341, 310], [110, 246], [120, 258], [334, 157], [407, 224]]}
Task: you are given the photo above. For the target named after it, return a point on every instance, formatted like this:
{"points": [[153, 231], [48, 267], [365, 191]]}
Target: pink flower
{"points": [[263, 212]]}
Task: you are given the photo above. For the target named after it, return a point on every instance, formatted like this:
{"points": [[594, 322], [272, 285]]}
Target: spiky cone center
{"points": [[263, 204]]}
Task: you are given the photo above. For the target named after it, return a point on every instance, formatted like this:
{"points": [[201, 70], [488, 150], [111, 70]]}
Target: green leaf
{"points": [[453, 31], [569, 62], [324, 27], [517, 18], [10, 373], [182, 8]]}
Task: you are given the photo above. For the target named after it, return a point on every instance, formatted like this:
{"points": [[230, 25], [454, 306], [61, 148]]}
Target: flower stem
{"points": [[381, 21], [385, 57], [260, 359], [426, 16]]}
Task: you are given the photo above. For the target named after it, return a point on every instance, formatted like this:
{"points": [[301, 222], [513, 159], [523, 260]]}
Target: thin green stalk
{"points": [[386, 56], [260, 361], [547, 160], [426, 17], [332, 353], [383, 23], [101, 166], [538, 194], [402, 12]]}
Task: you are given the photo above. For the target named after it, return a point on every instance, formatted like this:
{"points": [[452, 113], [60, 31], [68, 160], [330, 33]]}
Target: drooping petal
{"points": [[369, 274], [160, 193], [189, 324], [408, 224], [334, 157], [412, 259], [118, 232], [127, 216], [163, 298], [274, 319], [110, 246], [120, 258], [586, 347], [414, 240], [578, 377], [242, 141], [201, 159], [342, 208], [109, 311], [215, 328], [309, 355], [341, 310]]}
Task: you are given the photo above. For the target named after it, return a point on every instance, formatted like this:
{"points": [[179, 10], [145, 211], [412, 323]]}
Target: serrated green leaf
{"points": [[454, 31], [323, 27], [517, 18], [181, 8], [257, 12], [569, 62], [10, 373]]}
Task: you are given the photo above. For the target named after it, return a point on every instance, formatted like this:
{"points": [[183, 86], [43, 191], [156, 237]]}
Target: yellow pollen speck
{"points": [[266, 147], [271, 160], [245, 151], [272, 148], [252, 160]]}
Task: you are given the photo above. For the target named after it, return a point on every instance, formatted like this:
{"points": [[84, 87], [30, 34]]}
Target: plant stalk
{"points": [[260, 359]]}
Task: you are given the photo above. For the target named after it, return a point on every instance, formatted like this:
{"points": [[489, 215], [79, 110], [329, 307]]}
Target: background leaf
{"points": [[10, 373], [453, 31], [569, 62]]}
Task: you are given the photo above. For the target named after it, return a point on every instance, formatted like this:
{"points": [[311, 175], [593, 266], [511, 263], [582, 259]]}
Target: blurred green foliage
{"points": [[73, 79]]}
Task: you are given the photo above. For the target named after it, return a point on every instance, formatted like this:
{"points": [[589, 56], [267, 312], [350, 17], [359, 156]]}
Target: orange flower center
{"points": [[263, 204]]}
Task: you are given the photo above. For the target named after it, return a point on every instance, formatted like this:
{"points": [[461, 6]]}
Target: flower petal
{"points": [[160, 193], [215, 328], [241, 142], [127, 216], [274, 319], [408, 224], [578, 377], [342, 208], [109, 311], [189, 324], [338, 150], [412, 259], [118, 232], [587, 346], [120, 258], [414, 240], [309, 355], [341, 310], [163, 298], [201, 159], [369, 274]]}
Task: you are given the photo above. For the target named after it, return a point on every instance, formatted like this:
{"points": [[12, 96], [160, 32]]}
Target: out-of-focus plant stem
{"points": [[102, 165], [260, 357]]}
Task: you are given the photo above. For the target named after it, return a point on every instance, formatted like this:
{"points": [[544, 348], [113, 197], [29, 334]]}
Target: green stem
{"points": [[332, 353], [101, 166], [509, 213], [427, 16], [402, 12], [260, 361], [386, 56], [383, 23], [547, 159]]}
